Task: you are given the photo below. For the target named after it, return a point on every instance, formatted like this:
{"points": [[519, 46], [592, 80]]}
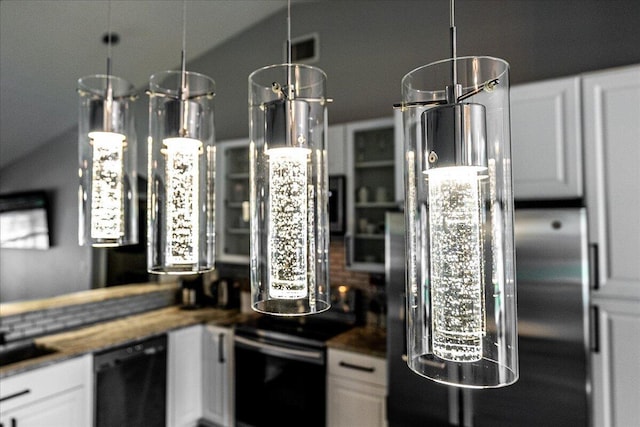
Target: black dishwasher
{"points": [[131, 384]]}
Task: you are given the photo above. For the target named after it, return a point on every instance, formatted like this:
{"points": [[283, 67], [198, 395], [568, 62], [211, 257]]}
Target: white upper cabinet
{"points": [[336, 150], [232, 201], [546, 139], [612, 151], [372, 174]]}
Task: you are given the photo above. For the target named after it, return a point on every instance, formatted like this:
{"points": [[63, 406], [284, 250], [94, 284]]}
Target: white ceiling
{"points": [[46, 45]]}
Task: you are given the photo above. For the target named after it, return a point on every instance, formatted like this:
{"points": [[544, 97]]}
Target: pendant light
{"points": [[181, 170], [461, 290], [108, 196], [289, 188]]}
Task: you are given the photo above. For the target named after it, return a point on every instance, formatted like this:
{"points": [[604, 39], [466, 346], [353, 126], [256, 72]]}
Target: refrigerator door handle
{"points": [[594, 329], [594, 268]]}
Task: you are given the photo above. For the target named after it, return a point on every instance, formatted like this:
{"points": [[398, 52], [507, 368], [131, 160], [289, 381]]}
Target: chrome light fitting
{"points": [[461, 290], [289, 188], [181, 171], [108, 196]]}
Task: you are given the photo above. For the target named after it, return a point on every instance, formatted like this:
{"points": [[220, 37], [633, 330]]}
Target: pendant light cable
{"points": [[184, 89], [183, 58], [455, 90], [109, 89]]}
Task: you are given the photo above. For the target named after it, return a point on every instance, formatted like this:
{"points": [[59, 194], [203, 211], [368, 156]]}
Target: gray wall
{"points": [[65, 267], [366, 47]]}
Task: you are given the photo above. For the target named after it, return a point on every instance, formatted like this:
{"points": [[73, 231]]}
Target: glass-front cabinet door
{"points": [[232, 204], [372, 190]]}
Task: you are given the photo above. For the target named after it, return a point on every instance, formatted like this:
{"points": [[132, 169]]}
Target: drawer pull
{"points": [[14, 395], [357, 367]]}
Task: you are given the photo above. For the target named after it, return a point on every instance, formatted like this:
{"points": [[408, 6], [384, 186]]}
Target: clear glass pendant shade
{"points": [[289, 199], [461, 290], [181, 219], [108, 196]]}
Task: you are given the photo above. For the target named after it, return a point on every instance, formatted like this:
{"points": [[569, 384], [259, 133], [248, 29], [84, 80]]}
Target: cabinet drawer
{"points": [[356, 366], [40, 383]]}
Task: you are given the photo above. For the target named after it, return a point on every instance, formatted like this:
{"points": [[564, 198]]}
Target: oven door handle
{"points": [[281, 351]]}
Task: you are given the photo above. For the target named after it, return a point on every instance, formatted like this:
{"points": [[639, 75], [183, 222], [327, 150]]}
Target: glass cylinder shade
{"points": [[108, 195], [461, 290], [289, 190], [181, 150]]}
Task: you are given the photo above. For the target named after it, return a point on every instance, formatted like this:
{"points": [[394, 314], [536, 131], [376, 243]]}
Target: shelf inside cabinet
{"points": [[370, 236], [376, 164], [376, 205], [238, 175], [238, 230]]}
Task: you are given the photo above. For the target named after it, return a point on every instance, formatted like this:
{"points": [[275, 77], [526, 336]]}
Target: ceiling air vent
{"points": [[304, 49]]}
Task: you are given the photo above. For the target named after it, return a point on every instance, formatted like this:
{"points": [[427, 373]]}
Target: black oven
{"points": [[280, 371]]}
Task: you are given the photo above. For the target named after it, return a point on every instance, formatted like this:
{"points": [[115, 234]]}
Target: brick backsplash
{"points": [[338, 273], [40, 322]]}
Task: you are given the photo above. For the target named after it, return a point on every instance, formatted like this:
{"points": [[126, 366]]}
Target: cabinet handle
{"points": [[594, 329], [594, 268], [347, 250], [357, 367], [14, 395], [14, 422], [221, 358]]}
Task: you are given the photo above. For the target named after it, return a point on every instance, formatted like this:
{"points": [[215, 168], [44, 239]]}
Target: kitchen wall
{"points": [[366, 47], [65, 267]]}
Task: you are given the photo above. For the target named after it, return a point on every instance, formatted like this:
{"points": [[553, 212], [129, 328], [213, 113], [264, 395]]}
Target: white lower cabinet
{"points": [[616, 363], [356, 390], [218, 392], [54, 396], [184, 377]]}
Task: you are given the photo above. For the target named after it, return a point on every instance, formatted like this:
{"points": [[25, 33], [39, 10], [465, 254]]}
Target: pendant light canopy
{"points": [[289, 190], [461, 290], [181, 171], [108, 196]]}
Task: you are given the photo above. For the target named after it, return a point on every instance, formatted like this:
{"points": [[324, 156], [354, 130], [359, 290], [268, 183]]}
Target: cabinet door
{"points": [[616, 364], [356, 389], [546, 139], [371, 191], [218, 392], [355, 404], [60, 395], [232, 202], [612, 143], [336, 150], [184, 377], [65, 409]]}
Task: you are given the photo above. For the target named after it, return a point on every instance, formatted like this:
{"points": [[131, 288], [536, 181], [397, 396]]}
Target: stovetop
{"points": [[306, 331]]}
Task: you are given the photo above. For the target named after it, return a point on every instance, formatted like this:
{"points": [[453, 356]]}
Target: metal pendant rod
{"points": [[184, 89], [108, 104]]}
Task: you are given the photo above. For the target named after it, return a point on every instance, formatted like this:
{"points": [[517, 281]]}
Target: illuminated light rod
{"points": [[107, 198], [457, 270], [287, 232], [182, 173]]}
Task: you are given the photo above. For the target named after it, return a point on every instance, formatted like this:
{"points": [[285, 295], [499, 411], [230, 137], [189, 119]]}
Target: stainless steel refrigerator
{"points": [[553, 334]]}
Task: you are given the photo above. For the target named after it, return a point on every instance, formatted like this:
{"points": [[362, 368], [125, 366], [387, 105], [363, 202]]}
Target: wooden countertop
{"points": [[120, 332], [366, 340]]}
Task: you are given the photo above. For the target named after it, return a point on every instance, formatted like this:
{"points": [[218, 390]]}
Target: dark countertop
{"points": [[365, 340]]}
